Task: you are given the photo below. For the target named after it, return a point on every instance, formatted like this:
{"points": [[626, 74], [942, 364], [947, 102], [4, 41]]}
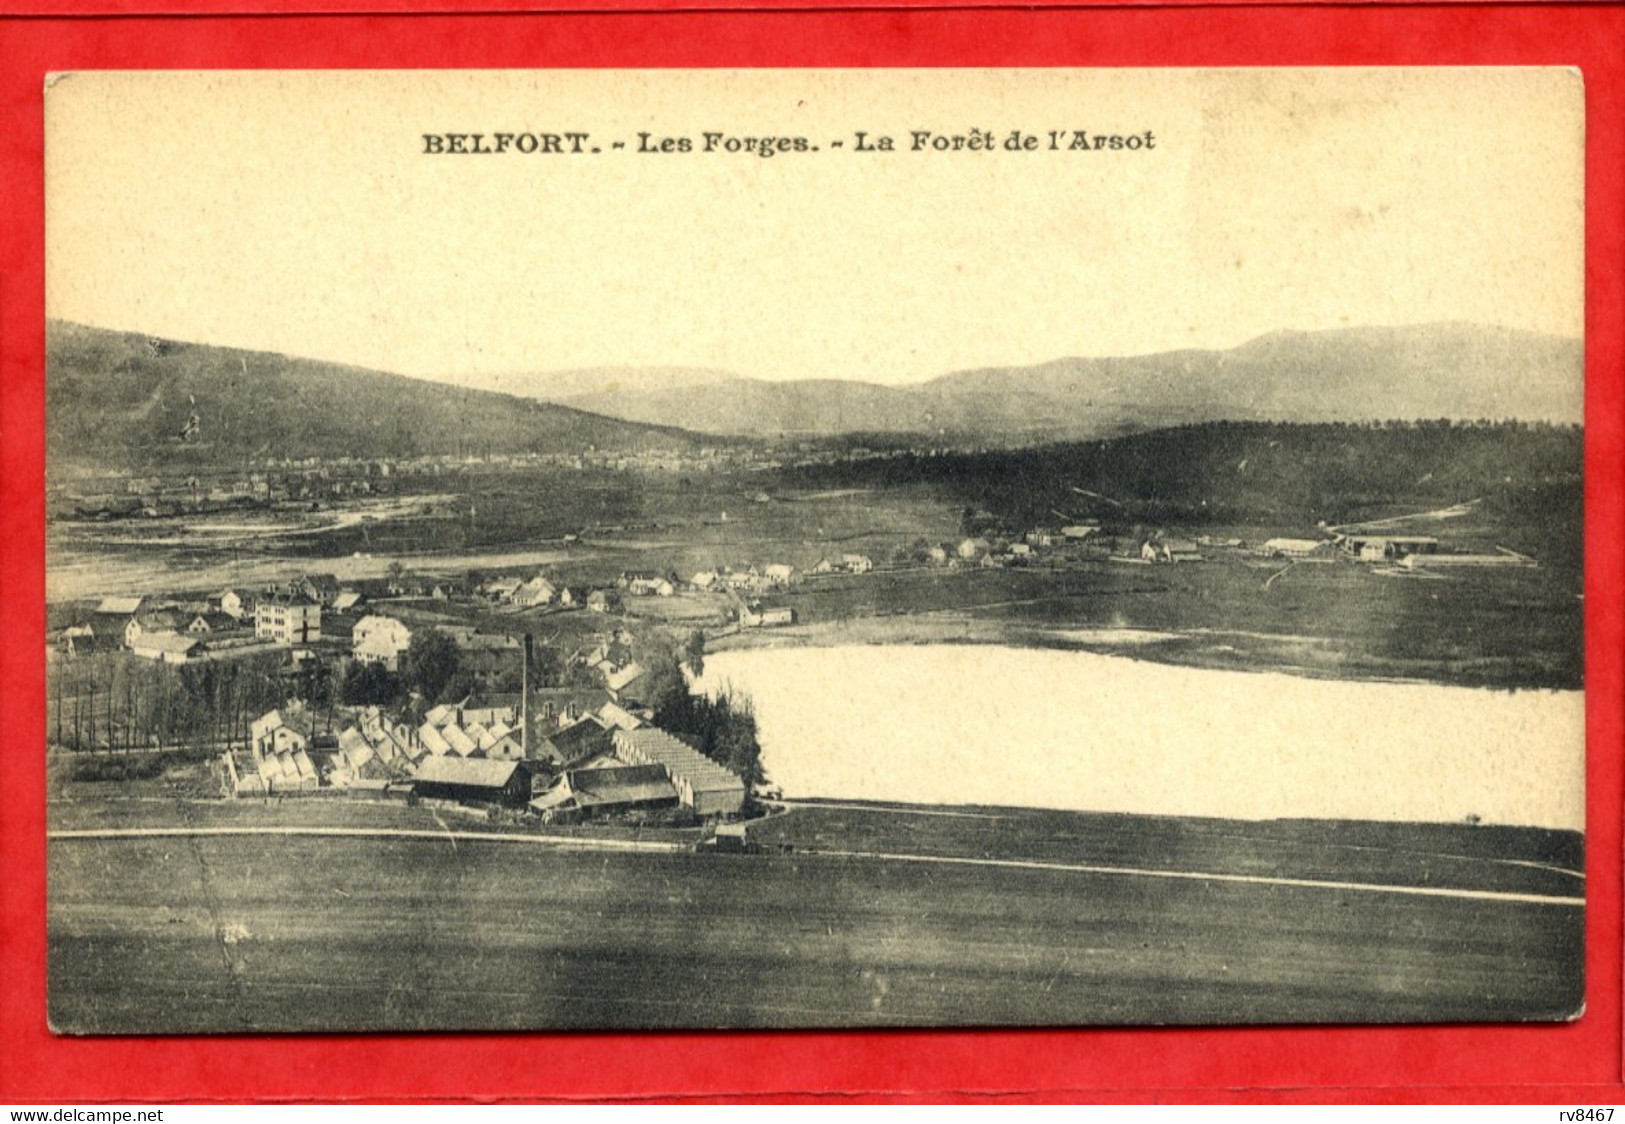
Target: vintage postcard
{"points": [[828, 548]]}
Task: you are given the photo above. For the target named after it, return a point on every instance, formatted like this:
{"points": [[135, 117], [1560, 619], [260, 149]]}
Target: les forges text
{"points": [[915, 140]]}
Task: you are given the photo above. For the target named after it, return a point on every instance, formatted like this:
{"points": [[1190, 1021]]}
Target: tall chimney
{"points": [[524, 700]]}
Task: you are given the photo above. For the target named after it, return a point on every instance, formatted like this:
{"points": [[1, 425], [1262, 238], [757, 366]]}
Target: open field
{"points": [[1499, 859], [110, 810], [1337, 620], [233, 933], [507, 520]]}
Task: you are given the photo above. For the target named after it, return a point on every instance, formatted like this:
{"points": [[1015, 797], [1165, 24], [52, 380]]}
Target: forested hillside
{"points": [[124, 398], [1528, 476]]}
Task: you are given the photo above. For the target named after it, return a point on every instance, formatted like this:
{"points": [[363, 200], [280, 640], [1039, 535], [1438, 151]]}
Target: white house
{"points": [[288, 619], [380, 639], [234, 604], [280, 753], [162, 622], [537, 591], [167, 647], [649, 584], [1292, 548], [501, 589]]}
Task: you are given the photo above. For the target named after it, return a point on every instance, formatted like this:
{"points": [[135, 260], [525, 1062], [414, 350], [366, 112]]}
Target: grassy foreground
{"points": [[240, 933]]}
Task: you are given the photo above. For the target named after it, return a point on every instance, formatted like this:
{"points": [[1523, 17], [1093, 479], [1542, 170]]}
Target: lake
{"points": [[976, 724]]}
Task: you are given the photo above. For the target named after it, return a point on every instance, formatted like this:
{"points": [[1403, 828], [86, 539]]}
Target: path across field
{"points": [[248, 926]]}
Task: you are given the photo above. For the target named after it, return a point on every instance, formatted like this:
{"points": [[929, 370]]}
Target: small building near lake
{"points": [[1293, 548], [759, 615], [1369, 547]]}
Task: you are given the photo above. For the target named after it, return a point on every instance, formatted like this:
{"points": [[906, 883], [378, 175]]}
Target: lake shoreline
{"points": [[1193, 648], [958, 723]]}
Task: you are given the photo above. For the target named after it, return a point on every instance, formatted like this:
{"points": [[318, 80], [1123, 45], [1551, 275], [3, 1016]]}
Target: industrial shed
{"points": [[1380, 548], [620, 787], [478, 780], [701, 783], [576, 743], [1293, 548]]}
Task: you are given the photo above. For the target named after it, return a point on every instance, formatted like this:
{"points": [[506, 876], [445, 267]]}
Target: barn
{"points": [[473, 780], [621, 787]]}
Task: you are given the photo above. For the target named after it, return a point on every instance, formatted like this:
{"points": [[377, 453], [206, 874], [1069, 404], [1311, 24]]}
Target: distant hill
{"points": [[1450, 370], [586, 382], [121, 398]]}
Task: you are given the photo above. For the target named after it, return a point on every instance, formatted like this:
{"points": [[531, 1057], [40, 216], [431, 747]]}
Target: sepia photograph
{"points": [[718, 549]]}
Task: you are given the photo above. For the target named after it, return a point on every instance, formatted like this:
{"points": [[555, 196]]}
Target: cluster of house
{"points": [[228, 625], [159, 497], [1017, 550], [563, 753], [379, 638], [539, 591]]}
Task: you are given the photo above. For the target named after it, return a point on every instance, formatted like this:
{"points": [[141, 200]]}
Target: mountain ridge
{"points": [[1450, 369], [126, 398]]}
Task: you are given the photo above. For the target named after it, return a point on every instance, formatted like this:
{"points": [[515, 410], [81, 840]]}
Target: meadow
{"points": [[255, 933]]}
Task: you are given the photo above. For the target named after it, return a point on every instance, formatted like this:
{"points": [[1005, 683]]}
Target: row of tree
{"points": [[721, 726], [117, 701]]}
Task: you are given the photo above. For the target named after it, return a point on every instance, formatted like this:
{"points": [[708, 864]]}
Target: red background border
{"points": [[1576, 1062]]}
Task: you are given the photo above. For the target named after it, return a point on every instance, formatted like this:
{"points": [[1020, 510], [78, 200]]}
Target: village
{"points": [[523, 695], [88, 494]]}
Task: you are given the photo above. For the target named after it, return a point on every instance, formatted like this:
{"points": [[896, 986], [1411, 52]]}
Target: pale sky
{"points": [[296, 212]]}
